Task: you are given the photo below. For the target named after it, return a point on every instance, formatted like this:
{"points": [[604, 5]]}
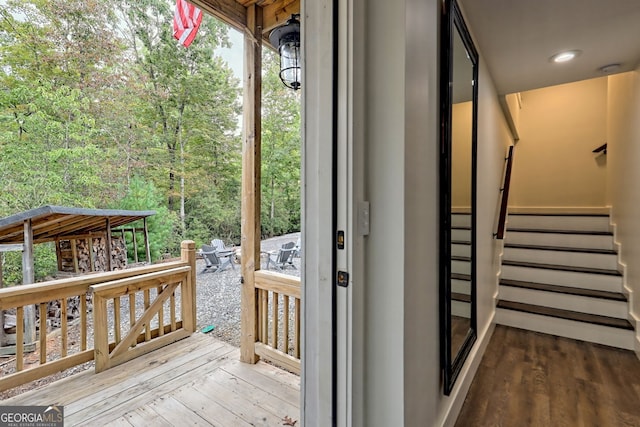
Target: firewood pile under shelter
{"points": [[86, 241]]}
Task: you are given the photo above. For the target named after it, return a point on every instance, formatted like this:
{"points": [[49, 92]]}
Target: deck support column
{"points": [[146, 240], [28, 277], [108, 243], [251, 162]]}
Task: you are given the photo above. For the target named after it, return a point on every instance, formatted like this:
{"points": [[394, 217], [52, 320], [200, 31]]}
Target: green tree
{"points": [[190, 107], [281, 144], [144, 196]]}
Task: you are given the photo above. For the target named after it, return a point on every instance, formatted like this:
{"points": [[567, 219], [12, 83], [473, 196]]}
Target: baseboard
{"points": [[468, 373], [581, 210]]}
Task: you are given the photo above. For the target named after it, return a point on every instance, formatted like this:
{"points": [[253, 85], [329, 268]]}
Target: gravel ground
{"points": [[217, 303], [218, 294]]}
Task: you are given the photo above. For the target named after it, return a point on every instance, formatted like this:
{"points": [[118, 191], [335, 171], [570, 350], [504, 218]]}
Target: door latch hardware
{"points": [[343, 279]]}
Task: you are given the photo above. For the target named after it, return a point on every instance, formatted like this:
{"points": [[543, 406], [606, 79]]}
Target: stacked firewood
{"points": [[54, 310], [118, 254]]}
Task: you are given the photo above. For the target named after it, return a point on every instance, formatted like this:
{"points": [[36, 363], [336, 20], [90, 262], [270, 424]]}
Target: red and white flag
{"points": [[186, 21]]}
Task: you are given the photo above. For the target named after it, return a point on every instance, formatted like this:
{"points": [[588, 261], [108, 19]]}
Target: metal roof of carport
{"points": [[53, 222]]}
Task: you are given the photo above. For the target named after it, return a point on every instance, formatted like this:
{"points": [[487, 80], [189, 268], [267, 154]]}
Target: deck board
{"points": [[196, 381]]}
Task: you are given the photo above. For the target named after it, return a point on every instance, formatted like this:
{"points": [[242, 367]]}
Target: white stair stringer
{"points": [[561, 275], [614, 337]]}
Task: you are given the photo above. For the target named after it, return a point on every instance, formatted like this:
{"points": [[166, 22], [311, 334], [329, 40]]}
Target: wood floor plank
{"points": [[266, 383], [198, 381], [531, 379], [143, 392], [143, 417], [176, 413], [209, 409], [241, 405], [278, 374], [119, 422], [264, 399], [87, 382]]}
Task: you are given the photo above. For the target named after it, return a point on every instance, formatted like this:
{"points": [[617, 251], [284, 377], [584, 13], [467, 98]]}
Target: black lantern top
{"points": [[286, 39]]}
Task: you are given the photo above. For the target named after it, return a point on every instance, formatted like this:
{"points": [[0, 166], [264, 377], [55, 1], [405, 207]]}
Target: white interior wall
{"points": [[396, 306], [623, 175]]}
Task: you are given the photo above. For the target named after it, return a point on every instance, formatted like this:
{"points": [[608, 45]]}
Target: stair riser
{"points": [[461, 287], [563, 240], [461, 309], [582, 223], [461, 267], [460, 220], [599, 306], [460, 234], [573, 259], [461, 250], [600, 282], [620, 338]]}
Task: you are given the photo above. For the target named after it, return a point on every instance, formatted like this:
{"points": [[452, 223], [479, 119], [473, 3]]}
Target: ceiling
{"points": [[516, 38]]}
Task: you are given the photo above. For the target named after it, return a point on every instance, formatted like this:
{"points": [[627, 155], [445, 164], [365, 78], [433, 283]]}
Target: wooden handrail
{"points": [[105, 286], [278, 291], [502, 219], [602, 148]]}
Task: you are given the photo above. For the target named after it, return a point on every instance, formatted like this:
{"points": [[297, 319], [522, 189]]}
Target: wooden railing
{"points": [[278, 317], [502, 218], [164, 278]]}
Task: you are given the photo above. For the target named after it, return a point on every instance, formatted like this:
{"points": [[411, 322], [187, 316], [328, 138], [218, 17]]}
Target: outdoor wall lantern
{"points": [[286, 39]]}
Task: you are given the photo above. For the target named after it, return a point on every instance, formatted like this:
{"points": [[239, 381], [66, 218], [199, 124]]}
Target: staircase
{"points": [[560, 276], [461, 265]]}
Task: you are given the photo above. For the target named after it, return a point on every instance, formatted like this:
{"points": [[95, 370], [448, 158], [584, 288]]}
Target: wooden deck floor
{"points": [[196, 381]]}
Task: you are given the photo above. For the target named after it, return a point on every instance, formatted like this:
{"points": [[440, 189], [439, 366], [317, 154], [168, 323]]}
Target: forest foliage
{"points": [[101, 108]]}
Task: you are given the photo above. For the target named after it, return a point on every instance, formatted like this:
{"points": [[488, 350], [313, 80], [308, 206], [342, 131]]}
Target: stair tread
{"points": [[460, 242], [460, 276], [456, 296], [559, 214], [615, 296], [460, 258], [561, 249], [563, 268], [548, 231], [567, 314]]}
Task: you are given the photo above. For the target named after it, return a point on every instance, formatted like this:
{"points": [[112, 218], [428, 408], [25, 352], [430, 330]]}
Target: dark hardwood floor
{"points": [[532, 379]]}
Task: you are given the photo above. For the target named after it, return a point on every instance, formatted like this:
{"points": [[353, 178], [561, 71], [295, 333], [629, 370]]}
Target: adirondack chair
{"points": [[223, 252], [213, 262], [283, 258], [298, 248]]}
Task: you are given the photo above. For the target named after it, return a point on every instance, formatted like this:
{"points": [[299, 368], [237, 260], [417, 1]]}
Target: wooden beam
{"points": [[14, 247], [146, 240], [251, 148], [28, 277], [277, 14], [135, 246], [229, 11], [74, 254], [108, 243]]}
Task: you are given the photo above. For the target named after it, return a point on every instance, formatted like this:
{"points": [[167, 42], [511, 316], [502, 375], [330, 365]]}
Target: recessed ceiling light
{"points": [[610, 69], [565, 56]]}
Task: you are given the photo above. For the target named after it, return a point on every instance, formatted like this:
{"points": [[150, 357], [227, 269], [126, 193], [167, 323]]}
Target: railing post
{"points": [[188, 255]]}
